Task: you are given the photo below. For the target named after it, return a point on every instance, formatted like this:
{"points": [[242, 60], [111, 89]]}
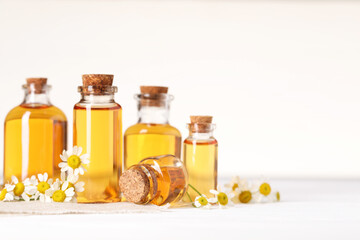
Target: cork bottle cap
{"points": [[153, 89], [97, 84], [135, 185], [97, 80], [153, 96], [201, 124], [201, 119], [36, 84]]}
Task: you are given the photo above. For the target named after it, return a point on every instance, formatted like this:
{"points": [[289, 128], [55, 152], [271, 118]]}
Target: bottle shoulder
{"points": [[36, 111], [142, 128], [96, 106], [200, 141]]}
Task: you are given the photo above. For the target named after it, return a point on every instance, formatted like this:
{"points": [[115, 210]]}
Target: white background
{"points": [[281, 78]]}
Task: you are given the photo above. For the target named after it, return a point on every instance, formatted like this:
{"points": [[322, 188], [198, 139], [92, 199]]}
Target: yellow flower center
{"points": [[42, 187], [71, 185], [203, 201], [74, 161], [265, 189], [19, 189], [235, 186], [223, 199], [59, 196], [245, 196], [278, 196], [3, 194]]}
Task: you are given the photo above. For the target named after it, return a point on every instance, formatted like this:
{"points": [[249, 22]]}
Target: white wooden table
{"points": [[315, 209]]}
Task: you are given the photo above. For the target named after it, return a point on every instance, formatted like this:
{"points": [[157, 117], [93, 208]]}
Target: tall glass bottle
{"points": [[35, 134], [98, 130], [152, 135], [201, 155]]}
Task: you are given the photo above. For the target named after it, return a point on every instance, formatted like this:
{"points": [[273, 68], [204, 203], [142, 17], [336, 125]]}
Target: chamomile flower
{"points": [[236, 183], [201, 201], [23, 190], [62, 194], [245, 194], [7, 193], [264, 192], [43, 185], [221, 198], [73, 181], [72, 161]]}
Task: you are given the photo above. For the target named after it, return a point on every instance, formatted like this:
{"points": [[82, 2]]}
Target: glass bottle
{"points": [[201, 155], [98, 130], [157, 180], [35, 134], [152, 135]]}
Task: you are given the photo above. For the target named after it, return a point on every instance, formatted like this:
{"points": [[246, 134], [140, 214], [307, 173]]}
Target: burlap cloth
{"points": [[74, 208]]}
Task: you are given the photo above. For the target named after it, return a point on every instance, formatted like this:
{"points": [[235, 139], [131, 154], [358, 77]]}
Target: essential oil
{"points": [[35, 134], [201, 155], [157, 180], [98, 130], [152, 135]]}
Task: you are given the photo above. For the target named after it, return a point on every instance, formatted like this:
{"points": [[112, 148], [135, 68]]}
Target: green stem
{"points": [[195, 189]]}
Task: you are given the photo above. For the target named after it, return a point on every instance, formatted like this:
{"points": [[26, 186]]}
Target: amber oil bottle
{"points": [[98, 130], [35, 134], [201, 155], [157, 180], [152, 135]]}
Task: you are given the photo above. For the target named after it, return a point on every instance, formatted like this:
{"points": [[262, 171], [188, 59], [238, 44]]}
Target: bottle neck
{"points": [[153, 114], [37, 97], [97, 99], [201, 135], [201, 131]]}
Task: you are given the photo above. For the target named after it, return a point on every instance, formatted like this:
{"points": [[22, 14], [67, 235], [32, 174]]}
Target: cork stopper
{"points": [[201, 124], [153, 95], [36, 84], [97, 80], [153, 89], [97, 84], [135, 185], [201, 119]]}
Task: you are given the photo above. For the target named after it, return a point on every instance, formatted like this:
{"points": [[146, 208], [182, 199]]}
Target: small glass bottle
{"points": [[35, 134], [98, 130], [152, 135], [201, 155], [157, 180]]}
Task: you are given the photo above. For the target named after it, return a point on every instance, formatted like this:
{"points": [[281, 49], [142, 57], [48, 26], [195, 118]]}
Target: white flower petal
{"points": [[25, 197], [76, 171], [63, 176], [65, 186], [14, 179], [79, 151], [79, 189], [85, 161], [212, 200], [62, 164], [81, 170], [79, 184], [214, 192], [40, 177], [9, 197]]}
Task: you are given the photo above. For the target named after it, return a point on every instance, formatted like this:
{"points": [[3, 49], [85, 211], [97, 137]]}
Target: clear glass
{"points": [[170, 183], [98, 130], [34, 137], [152, 135], [201, 159]]}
